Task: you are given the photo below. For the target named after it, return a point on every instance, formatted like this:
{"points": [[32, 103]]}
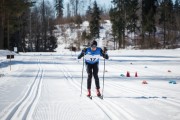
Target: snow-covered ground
{"points": [[47, 86]]}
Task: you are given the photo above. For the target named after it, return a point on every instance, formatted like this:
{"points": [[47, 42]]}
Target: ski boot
{"points": [[89, 94], [99, 94]]}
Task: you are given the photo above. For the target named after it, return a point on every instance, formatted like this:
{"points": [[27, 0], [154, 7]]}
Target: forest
{"points": [[29, 24]]}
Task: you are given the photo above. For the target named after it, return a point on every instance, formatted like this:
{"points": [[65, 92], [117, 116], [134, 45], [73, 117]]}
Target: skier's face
{"points": [[93, 48]]}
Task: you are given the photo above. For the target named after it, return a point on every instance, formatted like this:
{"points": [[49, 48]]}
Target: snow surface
{"points": [[47, 86]]}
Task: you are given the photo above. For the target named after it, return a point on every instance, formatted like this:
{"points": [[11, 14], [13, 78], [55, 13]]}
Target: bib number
{"points": [[92, 59]]}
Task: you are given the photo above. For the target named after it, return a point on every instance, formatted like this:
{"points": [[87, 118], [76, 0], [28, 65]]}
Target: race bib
{"points": [[92, 58]]}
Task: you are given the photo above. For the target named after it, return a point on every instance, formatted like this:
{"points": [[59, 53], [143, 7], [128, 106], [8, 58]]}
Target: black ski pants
{"points": [[92, 69]]}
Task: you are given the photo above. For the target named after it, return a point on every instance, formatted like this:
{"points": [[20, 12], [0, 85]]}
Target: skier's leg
{"points": [[89, 72], [95, 74]]}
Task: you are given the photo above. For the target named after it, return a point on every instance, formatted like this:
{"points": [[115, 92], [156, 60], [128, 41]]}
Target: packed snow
{"points": [[47, 86]]}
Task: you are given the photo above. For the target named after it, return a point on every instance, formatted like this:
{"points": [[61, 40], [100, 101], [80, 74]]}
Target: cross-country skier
{"points": [[92, 55]]}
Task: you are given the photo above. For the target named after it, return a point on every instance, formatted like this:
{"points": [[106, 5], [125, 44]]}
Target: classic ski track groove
{"points": [[154, 87], [141, 93], [69, 77], [113, 110], [130, 116], [106, 108], [170, 100], [9, 107], [41, 106], [23, 107]]}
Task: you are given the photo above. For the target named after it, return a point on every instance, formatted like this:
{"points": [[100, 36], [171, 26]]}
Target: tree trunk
{"points": [[8, 37], [2, 26], [124, 39], [76, 11], [114, 42], [150, 41], [1, 35], [164, 39]]}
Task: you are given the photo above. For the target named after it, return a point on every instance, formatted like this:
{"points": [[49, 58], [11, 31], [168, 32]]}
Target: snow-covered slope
{"points": [[67, 34], [47, 86]]}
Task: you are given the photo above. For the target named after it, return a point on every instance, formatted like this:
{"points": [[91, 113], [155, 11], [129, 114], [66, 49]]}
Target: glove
{"points": [[105, 50], [82, 53], [105, 56], [104, 53]]}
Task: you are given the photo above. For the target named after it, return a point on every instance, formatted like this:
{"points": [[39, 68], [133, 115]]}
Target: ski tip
{"points": [[101, 97], [90, 97]]}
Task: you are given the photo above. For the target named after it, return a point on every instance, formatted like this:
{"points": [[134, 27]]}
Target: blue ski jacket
{"points": [[92, 57]]}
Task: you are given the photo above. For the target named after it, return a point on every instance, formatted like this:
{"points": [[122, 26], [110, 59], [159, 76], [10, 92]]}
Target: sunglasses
{"points": [[93, 46]]}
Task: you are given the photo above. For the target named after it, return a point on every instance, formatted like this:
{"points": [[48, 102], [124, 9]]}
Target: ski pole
{"points": [[103, 78], [82, 77]]}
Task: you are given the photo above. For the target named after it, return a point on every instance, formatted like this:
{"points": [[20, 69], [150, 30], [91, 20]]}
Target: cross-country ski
{"points": [[90, 97]]}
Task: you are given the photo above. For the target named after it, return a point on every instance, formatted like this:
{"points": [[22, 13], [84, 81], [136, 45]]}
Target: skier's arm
{"points": [[104, 54], [82, 53]]}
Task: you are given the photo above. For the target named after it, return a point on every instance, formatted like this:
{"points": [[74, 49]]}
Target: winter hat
{"points": [[93, 43]]}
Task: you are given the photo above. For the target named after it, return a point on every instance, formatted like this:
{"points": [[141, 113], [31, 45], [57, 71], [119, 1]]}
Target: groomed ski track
{"points": [[25, 105], [53, 92]]}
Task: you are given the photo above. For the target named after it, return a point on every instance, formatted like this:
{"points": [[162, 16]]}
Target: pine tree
{"points": [[177, 13], [166, 19], [11, 12], [88, 13], [95, 21], [68, 11], [148, 20], [132, 16], [177, 19], [177, 6], [119, 19], [113, 19], [2, 24], [59, 8]]}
